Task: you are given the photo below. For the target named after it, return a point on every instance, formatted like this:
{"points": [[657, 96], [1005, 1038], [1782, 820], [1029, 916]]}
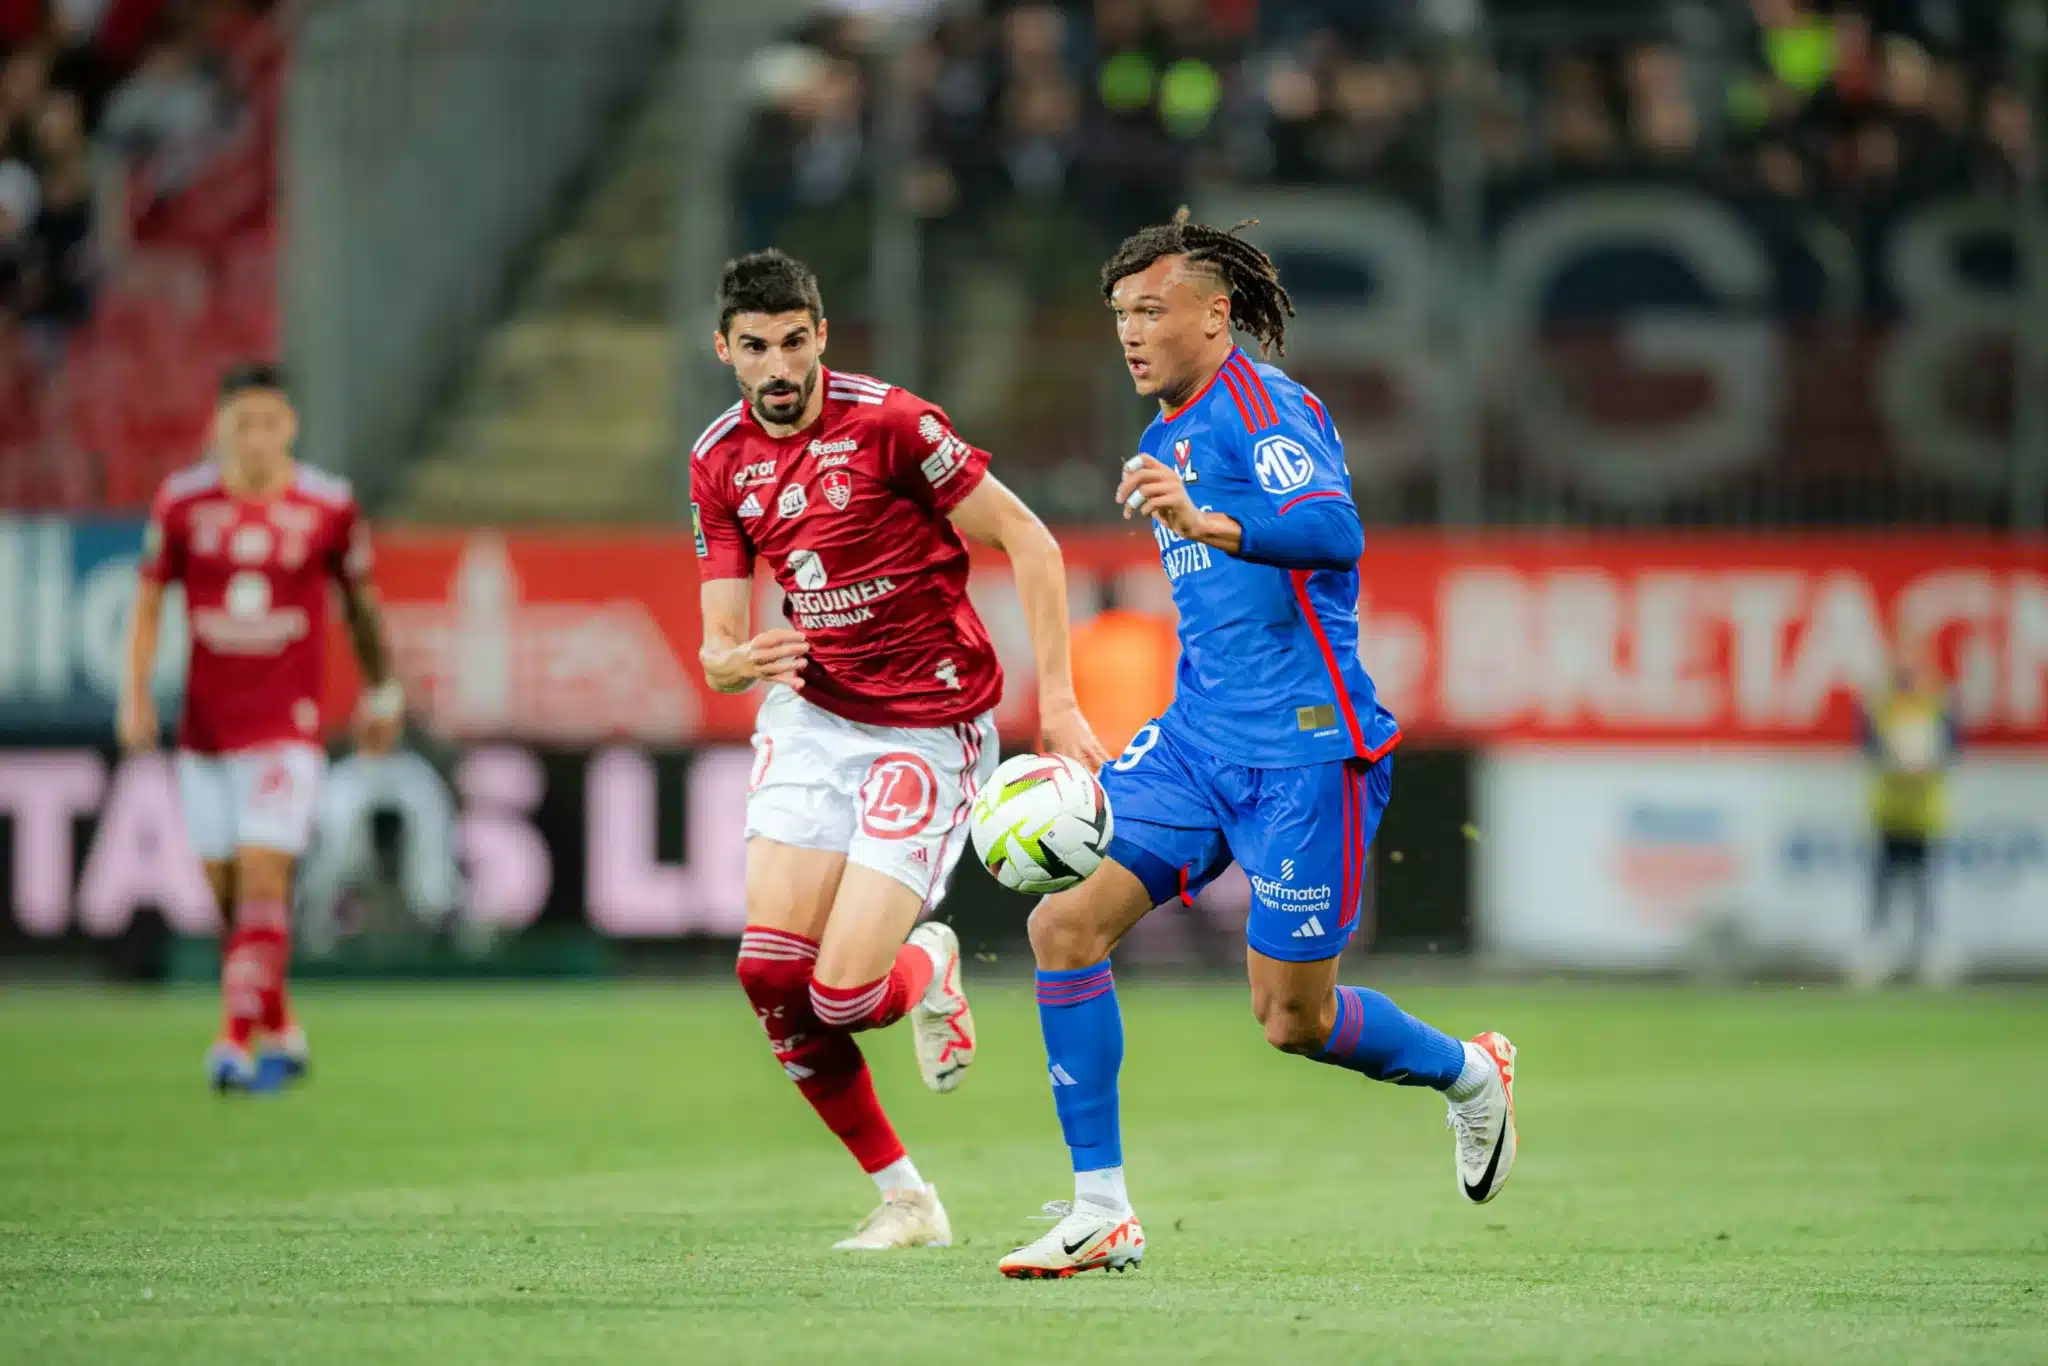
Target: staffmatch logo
{"points": [[1282, 465]]}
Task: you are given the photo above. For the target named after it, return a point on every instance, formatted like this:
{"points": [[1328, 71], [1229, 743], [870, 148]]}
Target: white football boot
{"points": [[941, 1024], [1485, 1126], [1085, 1236], [903, 1219]]}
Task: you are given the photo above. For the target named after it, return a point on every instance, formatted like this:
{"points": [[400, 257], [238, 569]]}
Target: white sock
{"points": [[1478, 1073], [900, 1175], [1102, 1187]]}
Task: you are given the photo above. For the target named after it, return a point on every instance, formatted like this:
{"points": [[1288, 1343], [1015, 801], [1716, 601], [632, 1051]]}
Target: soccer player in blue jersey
{"points": [[1275, 752]]}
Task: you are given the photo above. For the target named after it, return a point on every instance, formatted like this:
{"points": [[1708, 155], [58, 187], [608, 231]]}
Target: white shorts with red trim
{"points": [[894, 798], [251, 799]]}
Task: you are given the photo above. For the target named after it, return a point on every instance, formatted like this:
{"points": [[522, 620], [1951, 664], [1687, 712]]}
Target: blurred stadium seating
{"points": [[116, 320], [1043, 132]]}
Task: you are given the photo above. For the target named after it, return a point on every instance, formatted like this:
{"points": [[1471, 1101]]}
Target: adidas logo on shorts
{"points": [[1311, 928]]}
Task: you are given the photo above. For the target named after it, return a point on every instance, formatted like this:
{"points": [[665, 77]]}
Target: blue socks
{"points": [[1084, 1050], [1374, 1036]]}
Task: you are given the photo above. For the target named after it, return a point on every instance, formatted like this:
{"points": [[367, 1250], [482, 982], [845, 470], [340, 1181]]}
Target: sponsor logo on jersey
{"points": [[898, 796], [246, 622], [760, 472], [296, 526], [948, 673], [750, 506], [807, 569], [697, 527], [846, 447], [847, 606], [1280, 894], [826, 462], [792, 501], [250, 544], [1281, 464], [949, 452], [1178, 555], [838, 486], [1183, 453], [210, 523]]}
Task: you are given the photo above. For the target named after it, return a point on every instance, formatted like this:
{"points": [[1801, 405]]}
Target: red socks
{"points": [[878, 1004], [826, 1065], [254, 961]]}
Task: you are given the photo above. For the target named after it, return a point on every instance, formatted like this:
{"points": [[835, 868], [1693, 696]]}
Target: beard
{"points": [[782, 402]]}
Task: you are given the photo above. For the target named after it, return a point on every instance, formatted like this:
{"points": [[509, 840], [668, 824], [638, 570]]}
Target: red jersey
{"points": [[850, 513], [256, 580]]}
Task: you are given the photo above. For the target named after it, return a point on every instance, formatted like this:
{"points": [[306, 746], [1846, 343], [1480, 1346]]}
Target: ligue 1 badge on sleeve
{"points": [[697, 526]]}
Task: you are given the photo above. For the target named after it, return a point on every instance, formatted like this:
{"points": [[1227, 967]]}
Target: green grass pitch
{"points": [[622, 1175]]}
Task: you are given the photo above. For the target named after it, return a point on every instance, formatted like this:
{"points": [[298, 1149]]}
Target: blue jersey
{"points": [[1269, 671]]}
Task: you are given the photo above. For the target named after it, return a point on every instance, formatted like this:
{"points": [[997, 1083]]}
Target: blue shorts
{"points": [[1183, 815]]}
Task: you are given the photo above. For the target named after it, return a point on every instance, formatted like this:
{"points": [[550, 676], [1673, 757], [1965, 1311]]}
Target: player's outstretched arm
{"points": [[994, 516], [734, 663], [136, 717]]}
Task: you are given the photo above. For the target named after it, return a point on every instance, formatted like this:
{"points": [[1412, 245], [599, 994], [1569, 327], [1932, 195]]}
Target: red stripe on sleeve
{"points": [[1310, 497], [1230, 381], [1262, 402]]}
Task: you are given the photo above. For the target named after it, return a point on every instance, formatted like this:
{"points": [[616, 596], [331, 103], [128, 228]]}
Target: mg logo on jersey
{"points": [[1183, 453], [898, 796], [1281, 464], [838, 486], [792, 502]]}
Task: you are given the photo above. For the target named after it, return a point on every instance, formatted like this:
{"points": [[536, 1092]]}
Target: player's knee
{"points": [[1291, 1027], [1064, 936], [773, 983]]}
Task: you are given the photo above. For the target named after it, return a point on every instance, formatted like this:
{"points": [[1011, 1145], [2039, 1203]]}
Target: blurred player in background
{"points": [[255, 539], [877, 725], [1912, 738], [1274, 752]]}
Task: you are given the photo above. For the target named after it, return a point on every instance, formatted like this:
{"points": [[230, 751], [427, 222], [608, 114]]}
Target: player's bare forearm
{"points": [[364, 616], [731, 661], [1221, 530], [143, 624], [135, 714], [994, 516]]}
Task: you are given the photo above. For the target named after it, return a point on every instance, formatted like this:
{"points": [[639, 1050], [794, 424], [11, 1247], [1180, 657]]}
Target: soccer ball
{"points": [[1042, 823]]}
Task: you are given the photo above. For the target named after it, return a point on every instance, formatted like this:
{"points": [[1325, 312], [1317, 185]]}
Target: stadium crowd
{"points": [[137, 187], [1115, 109]]}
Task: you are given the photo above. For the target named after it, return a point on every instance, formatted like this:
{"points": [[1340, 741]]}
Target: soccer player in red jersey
{"points": [[877, 726], [255, 538]]}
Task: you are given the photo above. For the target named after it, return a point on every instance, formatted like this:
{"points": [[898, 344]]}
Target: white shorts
{"points": [[893, 798], [255, 798]]}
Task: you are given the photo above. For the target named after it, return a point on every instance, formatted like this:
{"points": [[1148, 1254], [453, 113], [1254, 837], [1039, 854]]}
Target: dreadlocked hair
{"points": [[1259, 304]]}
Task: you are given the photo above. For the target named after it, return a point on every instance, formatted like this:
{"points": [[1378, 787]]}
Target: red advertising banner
{"points": [[579, 638]]}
